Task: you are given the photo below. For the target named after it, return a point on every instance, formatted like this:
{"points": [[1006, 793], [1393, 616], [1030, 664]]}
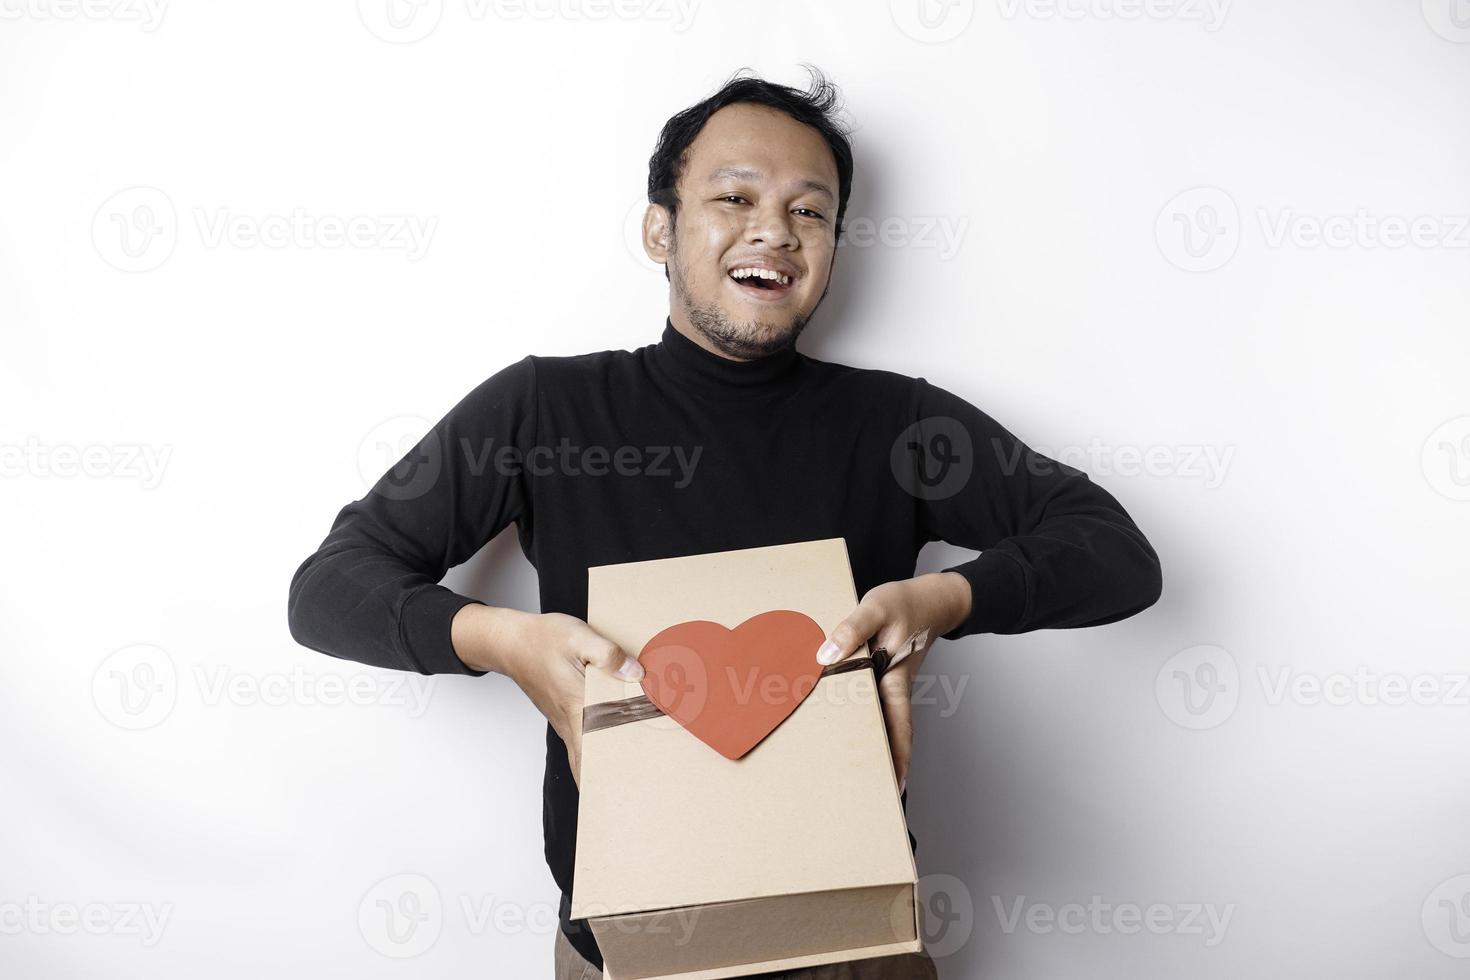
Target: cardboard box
{"points": [[696, 866]]}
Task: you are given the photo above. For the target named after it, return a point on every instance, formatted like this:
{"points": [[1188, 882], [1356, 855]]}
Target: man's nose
{"points": [[771, 225]]}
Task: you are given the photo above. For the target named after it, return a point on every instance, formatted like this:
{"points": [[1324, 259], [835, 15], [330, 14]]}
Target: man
{"points": [[760, 445]]}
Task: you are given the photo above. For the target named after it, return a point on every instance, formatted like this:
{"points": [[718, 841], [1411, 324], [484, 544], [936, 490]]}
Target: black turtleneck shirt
{"points": [[671, 450]]}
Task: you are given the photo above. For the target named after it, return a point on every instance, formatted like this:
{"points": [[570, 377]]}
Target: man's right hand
{"points": [[547, 655]]}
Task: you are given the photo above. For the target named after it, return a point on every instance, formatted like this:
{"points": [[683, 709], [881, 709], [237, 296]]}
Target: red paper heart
{"points": [[731, 688]]}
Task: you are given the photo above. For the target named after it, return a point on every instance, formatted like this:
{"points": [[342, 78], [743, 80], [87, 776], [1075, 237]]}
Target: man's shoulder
{"points": [[877, 382], [566, 367]]}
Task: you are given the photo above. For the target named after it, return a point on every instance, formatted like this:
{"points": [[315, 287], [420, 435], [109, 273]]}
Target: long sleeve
{"points": [[1056, 549], [370, 593]]}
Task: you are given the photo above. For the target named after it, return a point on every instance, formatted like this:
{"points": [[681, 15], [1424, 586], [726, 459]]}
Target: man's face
{"points": [[758, 192]]}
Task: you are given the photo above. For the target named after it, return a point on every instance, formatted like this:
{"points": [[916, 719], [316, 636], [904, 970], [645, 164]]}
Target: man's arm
{"points": [[1056, 549], [370, 593]]}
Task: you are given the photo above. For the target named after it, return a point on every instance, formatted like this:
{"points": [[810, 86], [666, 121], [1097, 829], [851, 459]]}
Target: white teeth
{"points": [[785, 280]]}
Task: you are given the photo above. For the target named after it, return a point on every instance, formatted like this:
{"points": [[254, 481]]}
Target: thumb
{"points": [[608, 656], [851, 633]]}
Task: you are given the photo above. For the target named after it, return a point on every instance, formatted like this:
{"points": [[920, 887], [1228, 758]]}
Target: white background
{"points": [[1130, 280]]}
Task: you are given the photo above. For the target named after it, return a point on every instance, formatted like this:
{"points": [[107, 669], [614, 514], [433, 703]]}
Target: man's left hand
{"points": [[903, 618]]}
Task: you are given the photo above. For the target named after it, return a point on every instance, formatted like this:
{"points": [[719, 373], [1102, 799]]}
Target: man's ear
{"points": [[657, 233]]}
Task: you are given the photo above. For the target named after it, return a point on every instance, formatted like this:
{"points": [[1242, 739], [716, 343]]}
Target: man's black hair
{"points": [[817, 107]]}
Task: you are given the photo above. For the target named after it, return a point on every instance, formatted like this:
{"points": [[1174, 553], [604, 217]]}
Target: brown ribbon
{"points": [[608, 714]]}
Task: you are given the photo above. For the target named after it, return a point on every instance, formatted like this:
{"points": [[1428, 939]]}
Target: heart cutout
{"points": [[731, 688]]}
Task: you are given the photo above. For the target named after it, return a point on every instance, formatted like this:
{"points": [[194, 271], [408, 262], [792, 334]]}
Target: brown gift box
{"points": [[693, 866]]}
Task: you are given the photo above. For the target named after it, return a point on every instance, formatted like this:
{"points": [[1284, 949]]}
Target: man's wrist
{"points": [[486, 638], [955, 599]]}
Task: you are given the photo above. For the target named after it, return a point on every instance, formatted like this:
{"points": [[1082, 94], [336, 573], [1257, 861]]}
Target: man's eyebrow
{"points": [[746, 173]]}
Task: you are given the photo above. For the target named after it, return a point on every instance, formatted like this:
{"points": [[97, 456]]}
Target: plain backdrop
{"points": [[1215, 254]]}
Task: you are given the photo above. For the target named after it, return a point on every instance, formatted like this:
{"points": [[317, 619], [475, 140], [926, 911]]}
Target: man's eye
{"points": [[732, 197], [814, 214]]}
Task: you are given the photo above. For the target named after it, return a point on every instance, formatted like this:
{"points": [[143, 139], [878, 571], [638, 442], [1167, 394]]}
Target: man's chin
{"points": [[736, 333]]}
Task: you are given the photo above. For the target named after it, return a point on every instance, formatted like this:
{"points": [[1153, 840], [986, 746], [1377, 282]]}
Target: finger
{"points": [[608, 656], [850, 634], [898, 719]]}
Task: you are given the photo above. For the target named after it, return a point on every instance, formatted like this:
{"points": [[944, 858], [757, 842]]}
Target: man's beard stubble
{"points": [[745, 341]]}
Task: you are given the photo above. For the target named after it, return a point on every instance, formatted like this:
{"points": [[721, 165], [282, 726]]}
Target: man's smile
{"points": [[762, 280]]}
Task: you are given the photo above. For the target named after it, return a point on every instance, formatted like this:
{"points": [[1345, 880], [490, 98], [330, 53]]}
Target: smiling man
{"points": [[747, 192]]}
